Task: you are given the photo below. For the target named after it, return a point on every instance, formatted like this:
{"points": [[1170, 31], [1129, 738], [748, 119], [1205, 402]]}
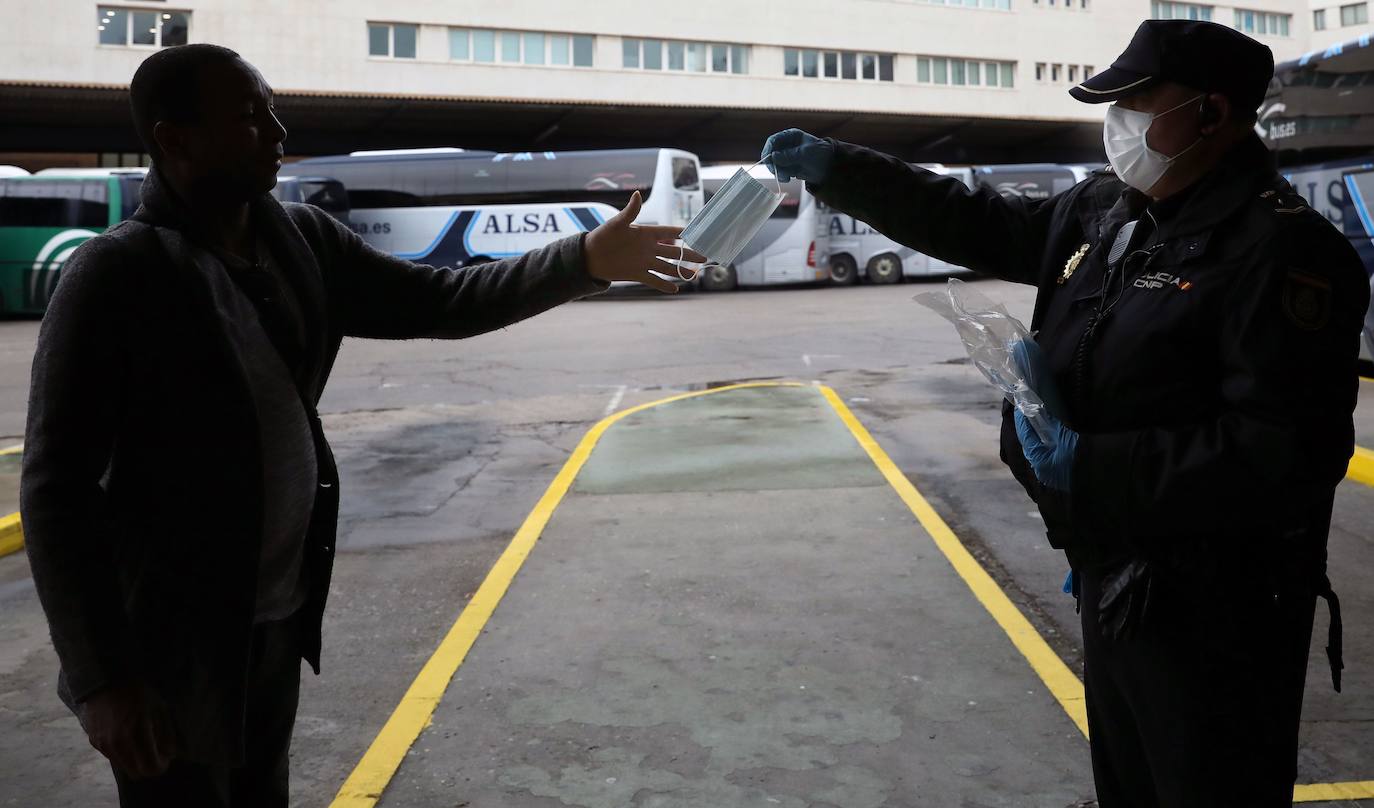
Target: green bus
{"points": [[44, 217]]}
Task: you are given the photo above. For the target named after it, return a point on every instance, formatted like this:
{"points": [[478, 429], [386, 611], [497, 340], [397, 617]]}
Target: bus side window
{"points": [[685, 176], [130, 192], [53, 203]]}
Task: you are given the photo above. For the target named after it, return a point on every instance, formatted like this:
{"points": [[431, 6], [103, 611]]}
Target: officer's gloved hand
{"points": [[1035, 369], [1051, 461], [794, 153]]}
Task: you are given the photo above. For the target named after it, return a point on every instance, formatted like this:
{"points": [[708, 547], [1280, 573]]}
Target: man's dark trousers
{"points": [[261, 781], [1199, 706]]}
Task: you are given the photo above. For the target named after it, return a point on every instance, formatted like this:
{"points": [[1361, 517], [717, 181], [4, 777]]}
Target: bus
{"points": [[857, 251], [790, 248], [324, 193], [1029, 180], [452, 208], [1318, 118], [44, 217]]}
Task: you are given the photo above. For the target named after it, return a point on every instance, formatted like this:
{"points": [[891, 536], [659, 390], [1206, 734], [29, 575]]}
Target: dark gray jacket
{"points": [[141, 486]]}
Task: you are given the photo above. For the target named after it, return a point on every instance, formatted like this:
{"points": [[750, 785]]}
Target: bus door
{"points": [[1358, 225], [687, 195], [42, 222]]}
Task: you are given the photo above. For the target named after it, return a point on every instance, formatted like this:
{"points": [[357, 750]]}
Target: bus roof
{"points": [[90, 172], [408, 155]]}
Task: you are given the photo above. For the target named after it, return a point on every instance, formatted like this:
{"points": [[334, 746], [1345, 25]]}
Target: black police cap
{"points": [[1203, 55]]}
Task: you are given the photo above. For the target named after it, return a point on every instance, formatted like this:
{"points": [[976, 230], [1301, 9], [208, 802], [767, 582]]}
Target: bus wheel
{"points": [[885, 268], [843, 270], [716, 278]]}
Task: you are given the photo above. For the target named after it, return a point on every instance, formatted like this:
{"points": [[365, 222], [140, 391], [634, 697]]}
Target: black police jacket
{"points": [[1214, 400]]}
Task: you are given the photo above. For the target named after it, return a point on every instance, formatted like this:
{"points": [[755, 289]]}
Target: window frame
{"points": [[499, 37], [963, 72], [1359, 14], [390, 54], [794, 65], [160, 15]]}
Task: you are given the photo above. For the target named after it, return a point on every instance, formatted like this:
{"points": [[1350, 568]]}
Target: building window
{"points": [[1167, 10], [1039, 71], [144, 28], [1073, 74], [1087, 72], [962, 72], [813, 64], [1262, 22], [1354, 14], [1000, 5], [391, 40], [1319, 20], [520, 47], [690, 57]]}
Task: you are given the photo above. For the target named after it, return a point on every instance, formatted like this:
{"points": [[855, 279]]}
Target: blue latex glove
{"points": [[1051, 462], [1030, 360], [794, 153]]}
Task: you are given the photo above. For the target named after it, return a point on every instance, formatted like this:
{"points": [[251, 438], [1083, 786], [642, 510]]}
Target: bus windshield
{"points": [[1320, 107]]}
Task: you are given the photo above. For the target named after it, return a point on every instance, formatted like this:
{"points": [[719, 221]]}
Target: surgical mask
{"points": [[1124, 136], [736, 213]]}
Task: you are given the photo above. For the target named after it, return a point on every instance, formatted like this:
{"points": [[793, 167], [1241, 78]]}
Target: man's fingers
{"points": [[661, 284], [659, 232], [671, 251], [630, 211]]}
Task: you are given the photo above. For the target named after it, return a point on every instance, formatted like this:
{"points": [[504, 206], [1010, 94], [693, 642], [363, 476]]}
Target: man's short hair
{"points": [[166, 87]]}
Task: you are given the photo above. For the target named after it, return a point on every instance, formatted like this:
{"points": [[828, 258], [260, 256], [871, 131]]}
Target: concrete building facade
{"points": [[951, 80]]}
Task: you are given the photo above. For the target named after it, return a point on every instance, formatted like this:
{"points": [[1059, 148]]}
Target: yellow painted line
{"points": [[11, 534], [1061, 681], [1320, 792], [1361, 468], [18, 448], [369, 778]]}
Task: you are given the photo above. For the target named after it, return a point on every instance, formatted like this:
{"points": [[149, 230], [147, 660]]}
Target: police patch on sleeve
{"points": [[1307, 300]]}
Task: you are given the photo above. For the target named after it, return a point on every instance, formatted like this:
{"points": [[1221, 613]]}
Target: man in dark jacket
{"points": [[178, 495], [1198, 327]]}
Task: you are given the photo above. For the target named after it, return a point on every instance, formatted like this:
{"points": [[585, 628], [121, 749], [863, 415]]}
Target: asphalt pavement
{"points": [[596, 664]]}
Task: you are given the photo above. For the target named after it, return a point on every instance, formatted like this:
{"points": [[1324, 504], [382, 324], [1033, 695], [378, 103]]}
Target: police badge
{"points": [[1072, 264], [1307, 300]]}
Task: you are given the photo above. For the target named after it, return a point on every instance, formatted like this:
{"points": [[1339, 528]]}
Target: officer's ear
{"points": [[1214, 113]]}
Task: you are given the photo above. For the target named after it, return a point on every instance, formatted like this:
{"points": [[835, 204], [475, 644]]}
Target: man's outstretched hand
{"points": [[619, 250], [129, 725]]}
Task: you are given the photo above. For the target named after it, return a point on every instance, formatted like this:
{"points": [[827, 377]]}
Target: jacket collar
{"points": [[1236, 180], [161, 208]]}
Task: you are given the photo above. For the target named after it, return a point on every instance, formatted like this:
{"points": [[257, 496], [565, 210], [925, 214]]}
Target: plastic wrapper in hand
{"points": [[990, 335]]}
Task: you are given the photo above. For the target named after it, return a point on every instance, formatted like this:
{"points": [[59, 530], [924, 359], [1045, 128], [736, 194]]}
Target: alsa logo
{"points": [[529, 223], [1159, 280]]}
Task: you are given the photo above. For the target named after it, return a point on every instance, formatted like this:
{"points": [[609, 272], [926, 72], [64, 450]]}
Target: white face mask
{"points": [[1124, 136]]}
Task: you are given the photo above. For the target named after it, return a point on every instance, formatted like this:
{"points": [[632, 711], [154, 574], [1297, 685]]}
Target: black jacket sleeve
{"points": [[381, 296], [939, 215], [1289, 342], [75, 405]]}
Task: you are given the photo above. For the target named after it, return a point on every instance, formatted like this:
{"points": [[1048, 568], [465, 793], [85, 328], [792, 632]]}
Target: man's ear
{"points": [[170, 138], [1216, 112]]}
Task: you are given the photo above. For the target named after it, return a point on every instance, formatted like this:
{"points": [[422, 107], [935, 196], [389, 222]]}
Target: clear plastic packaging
{"points": [[992, 337]]}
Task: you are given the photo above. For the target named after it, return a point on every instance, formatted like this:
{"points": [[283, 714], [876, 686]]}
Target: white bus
{"points": [[791, 247], [450, 208], [858, 251]]}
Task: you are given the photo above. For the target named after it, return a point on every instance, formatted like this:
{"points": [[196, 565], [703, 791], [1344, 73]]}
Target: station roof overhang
{"points": [[94, 118]]}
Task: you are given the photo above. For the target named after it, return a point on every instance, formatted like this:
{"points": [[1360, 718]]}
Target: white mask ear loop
{"points": [[681, 259]]}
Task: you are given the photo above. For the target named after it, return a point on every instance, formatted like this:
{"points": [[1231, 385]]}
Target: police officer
{"points": [[1198, 330]]}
